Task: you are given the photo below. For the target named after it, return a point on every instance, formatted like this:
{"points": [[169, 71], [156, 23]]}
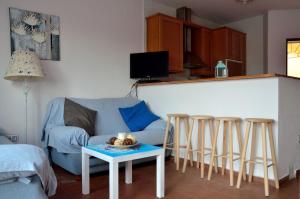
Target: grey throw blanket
{"points": [[23, 160]]}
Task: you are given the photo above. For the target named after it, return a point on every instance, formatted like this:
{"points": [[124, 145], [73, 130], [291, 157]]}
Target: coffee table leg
{"points": [[113, 180], [85, 173], [160, 176], [128, 172]]}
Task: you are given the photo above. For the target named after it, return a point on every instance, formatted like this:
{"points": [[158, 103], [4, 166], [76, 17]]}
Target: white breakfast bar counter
{"points": [[264, 96]]}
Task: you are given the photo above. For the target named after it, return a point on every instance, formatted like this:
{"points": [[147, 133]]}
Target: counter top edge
{"points": [[258, 76]]}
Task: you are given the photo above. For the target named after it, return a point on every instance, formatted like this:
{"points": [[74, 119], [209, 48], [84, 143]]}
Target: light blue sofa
{"points": [[64, 142]]}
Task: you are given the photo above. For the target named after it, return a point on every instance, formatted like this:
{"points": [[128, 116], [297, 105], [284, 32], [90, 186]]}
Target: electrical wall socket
{"points": [[13, 138]]}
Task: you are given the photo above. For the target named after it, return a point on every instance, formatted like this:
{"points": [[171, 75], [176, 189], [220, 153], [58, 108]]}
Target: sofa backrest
{"points": [[108, 120]]}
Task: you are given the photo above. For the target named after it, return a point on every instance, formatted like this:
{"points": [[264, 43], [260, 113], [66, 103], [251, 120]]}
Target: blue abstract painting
{"points": [[36, 32]]}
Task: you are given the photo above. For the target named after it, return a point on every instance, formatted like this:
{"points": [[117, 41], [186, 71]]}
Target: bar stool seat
{"points": [[181, 115], [265, 161], [259, 120], [175, 146], [201, 150], [227, 119]]}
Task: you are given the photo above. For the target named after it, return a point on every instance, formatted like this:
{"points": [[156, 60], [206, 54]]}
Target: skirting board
{"points": [[255, 178]]}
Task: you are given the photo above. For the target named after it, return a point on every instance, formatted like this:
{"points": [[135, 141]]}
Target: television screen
{"points": [[149, 64]]}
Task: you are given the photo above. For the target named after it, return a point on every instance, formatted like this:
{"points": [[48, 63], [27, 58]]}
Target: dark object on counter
{"points": [[149, 65]]}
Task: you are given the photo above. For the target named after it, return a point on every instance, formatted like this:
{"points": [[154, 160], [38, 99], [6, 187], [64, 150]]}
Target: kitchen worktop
{"points": [[257, 76]]}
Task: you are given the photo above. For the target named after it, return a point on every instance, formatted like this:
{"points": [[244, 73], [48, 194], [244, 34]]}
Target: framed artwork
{"points": [[293, 57], [36, 32]]}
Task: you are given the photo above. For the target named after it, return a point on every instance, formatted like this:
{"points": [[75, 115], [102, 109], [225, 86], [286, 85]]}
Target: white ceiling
{"points": [[225, 11]]}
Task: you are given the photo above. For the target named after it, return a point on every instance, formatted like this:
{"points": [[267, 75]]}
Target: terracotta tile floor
{"points": [[178, 185]]}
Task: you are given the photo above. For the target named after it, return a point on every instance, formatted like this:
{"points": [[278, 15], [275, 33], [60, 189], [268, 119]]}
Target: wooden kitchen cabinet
{"points": [[208, 46], [229, 44], [165, 33], [201, 45]]}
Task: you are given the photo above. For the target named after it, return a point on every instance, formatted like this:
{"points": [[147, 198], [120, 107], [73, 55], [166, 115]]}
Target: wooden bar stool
{"points": [[202, 120], [175, 146], [265, 123], [227, 124]]}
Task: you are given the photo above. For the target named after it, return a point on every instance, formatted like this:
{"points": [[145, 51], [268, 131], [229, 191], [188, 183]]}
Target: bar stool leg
{"points": [[273, 154], [202, 147], [253, 152], [167, 133], [199, 144], [177, 143], [188, 148], [265, 162], [240, 141], [243, 156], [231, 153], [212, 134], [213, 150], [187, 127], [224, 153], [176, 131]]}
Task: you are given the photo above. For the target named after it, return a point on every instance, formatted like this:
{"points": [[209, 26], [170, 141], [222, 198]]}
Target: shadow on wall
{"points": [[2, 131], [41, 93]]}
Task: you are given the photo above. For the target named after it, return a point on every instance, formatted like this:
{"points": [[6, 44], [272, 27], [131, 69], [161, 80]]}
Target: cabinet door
{"points": [[153, 33], [235, 45], [243, 52], [219, 47], [237, 51], [171, 39], [206, 46]]}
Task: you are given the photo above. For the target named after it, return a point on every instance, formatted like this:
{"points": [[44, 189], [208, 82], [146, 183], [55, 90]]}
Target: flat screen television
{"points": [[149, 65]]}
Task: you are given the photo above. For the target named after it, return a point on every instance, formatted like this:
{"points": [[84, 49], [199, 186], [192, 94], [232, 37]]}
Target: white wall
{"points": [[282, 24], [254, 28], [96, 39], [289, 124], [151, 7], [233, 98]]}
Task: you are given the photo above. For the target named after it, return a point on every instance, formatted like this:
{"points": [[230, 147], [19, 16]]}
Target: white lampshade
{"points": [[24, 64]]}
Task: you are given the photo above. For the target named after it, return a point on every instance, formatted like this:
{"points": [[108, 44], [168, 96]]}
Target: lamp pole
{"points": [[26, 90]]}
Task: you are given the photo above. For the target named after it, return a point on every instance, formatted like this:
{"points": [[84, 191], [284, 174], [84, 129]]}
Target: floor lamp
{"points": [[24, 65]]}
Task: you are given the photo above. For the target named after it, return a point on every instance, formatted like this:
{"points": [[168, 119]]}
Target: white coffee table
{"points": [[114, 157]]}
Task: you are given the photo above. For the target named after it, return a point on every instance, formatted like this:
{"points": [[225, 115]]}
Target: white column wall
{"points": [[289, 126]]}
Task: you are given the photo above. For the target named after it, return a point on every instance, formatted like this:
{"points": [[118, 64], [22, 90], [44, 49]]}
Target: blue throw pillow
{"points": [[137, 117]]}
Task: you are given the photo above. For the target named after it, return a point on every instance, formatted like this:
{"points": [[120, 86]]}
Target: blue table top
{"points": [[114, 152]]}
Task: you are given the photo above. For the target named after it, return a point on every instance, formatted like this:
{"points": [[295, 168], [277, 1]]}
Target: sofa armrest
{"points": [[68, 139], [161, 125], [158, 124]]}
